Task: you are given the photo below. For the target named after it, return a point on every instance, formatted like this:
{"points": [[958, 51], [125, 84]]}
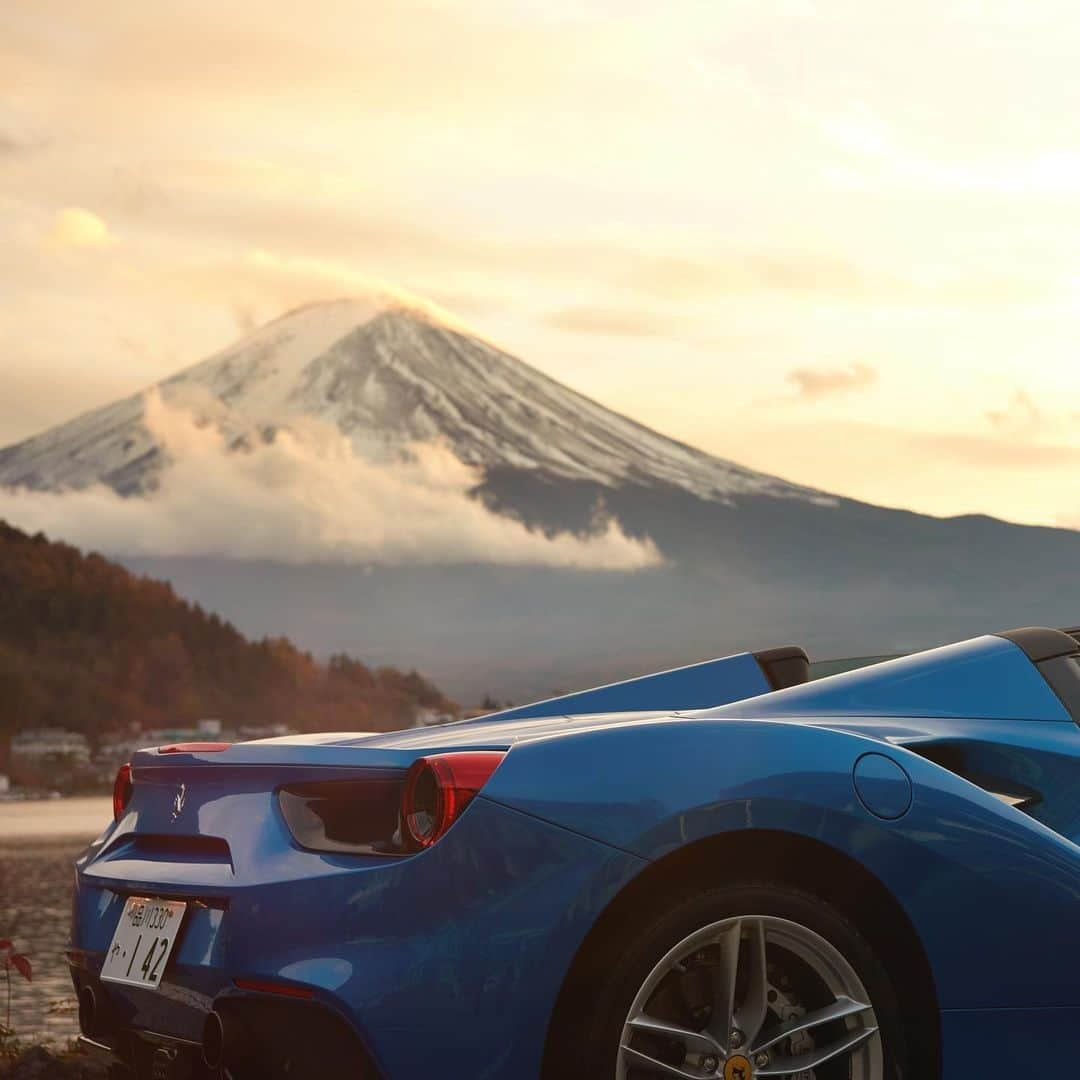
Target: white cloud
{"points": [[307, 497], [290, 281]]}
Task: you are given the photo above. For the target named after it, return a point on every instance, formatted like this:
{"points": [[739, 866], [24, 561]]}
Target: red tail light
{"points": [[438, 788], [121, 792], [194, 748]]}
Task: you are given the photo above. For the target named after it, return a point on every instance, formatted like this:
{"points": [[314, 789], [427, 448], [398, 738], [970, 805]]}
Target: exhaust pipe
{"points": [[225, 1041], [88, 1011], [213, 1040]]}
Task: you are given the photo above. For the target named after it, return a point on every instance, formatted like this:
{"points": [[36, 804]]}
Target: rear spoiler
{"points": [[697, 686]]}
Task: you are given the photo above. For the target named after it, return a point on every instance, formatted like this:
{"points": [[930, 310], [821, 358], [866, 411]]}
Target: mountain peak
{"points": [[361, 307], [386, 369], [298, 336]]}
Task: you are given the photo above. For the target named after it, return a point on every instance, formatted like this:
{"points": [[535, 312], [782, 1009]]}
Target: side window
{"points": [[824, 668]]}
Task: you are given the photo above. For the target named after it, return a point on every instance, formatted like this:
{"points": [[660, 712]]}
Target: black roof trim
{"points": [[1041, 643], [783, 667]]}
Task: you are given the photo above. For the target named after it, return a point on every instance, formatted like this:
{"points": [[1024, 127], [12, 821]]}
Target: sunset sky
{"points": [[835, 241]]}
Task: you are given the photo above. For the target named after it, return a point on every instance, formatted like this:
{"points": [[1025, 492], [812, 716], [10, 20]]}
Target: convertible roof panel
{"points": [[989, 678], [698, 686]]}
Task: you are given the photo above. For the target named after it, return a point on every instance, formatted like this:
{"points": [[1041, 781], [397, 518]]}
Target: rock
{"points": [[37, 1063]]}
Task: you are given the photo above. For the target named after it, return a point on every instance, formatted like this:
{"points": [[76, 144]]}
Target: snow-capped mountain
{"points": [[385, 374], [742, 559]]}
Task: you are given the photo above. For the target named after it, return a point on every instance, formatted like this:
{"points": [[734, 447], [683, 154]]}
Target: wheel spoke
{"points": [[723, 985], [694, 1042], [726, 972], [818, 1056], [643, 1061], [840, 1008], [751, 1016]]}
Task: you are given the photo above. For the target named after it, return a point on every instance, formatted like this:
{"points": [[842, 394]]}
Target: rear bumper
{"points": [[270, 1040], [446, 963]]}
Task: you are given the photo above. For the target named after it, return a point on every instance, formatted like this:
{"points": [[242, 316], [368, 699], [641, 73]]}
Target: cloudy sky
{"points": [[836, 241]]}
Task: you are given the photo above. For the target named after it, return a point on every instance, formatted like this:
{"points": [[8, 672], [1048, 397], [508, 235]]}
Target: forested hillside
{"points": [[86, 645]]}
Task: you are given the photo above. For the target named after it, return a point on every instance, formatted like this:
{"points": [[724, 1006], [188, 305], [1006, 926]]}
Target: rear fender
{"points": [[980, 881]]}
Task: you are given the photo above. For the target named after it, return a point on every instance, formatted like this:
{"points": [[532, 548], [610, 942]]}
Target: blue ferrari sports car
{"points": [[732, 870]]}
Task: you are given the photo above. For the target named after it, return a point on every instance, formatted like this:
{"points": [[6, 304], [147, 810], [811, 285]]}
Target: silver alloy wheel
{"points": [[748, 997]]}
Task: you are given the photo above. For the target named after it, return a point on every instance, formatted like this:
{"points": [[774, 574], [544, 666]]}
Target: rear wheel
{"points": [[737, 983]]}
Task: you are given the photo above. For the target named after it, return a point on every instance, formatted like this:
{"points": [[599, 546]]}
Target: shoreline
{"points": [[75, 817], [42, 841], [39, 841]]}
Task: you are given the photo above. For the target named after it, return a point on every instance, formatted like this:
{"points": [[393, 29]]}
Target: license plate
{"points": [[143, 940]]}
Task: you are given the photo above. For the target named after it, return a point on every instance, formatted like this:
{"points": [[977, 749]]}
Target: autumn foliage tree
{"points": [[88, 646]]}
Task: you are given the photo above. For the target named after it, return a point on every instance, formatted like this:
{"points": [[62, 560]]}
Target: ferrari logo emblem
{"points": [[738, 1068], [178, 802]]}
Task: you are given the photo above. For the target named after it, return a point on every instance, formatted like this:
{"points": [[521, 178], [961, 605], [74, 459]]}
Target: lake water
{"points": [[38, 841]]}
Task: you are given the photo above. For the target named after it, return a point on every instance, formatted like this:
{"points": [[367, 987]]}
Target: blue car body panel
{"points": [[696, 686], [451, 961], [953, 842]]}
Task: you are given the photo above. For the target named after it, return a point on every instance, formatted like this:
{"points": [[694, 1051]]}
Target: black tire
{"points": [[588, 1022]]}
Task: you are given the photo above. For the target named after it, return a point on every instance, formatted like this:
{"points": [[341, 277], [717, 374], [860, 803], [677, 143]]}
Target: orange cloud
{"points": [[813, 383], [1021, 417], [75, 227], [619, 322]]}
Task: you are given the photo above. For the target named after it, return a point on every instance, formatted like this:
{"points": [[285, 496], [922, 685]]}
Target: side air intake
{"points": [[986, 765]]}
